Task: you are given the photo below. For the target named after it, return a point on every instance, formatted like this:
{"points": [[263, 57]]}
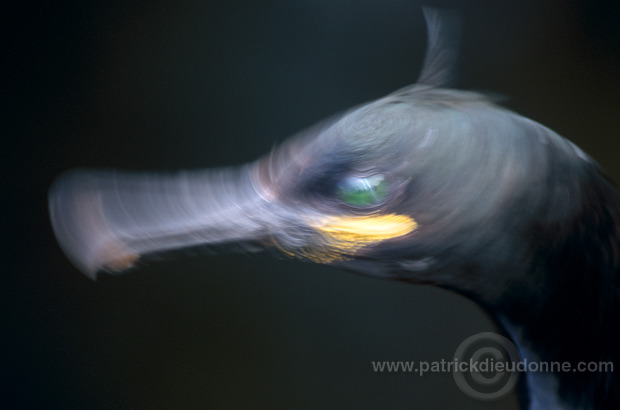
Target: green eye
{"points": [[363, 192]]}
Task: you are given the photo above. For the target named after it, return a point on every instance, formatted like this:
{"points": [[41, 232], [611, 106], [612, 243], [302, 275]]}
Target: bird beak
{"points": [[109, 221]]}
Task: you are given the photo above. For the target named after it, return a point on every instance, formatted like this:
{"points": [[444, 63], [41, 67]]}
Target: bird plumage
{"points": [[474, 198]]}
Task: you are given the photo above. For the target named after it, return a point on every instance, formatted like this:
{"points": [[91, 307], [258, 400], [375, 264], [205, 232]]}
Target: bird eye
{"points": [[363, 192]]}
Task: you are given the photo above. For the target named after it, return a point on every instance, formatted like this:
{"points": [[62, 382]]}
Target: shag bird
{"points": [[426, 185]]}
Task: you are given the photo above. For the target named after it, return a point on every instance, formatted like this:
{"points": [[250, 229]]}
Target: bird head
{"points": [[426, 185]]}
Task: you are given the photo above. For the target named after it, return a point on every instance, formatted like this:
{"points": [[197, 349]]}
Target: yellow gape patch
{"points": [[344, 235]]}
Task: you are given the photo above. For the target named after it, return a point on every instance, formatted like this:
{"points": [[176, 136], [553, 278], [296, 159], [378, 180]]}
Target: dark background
{"points": [[168, 85]]}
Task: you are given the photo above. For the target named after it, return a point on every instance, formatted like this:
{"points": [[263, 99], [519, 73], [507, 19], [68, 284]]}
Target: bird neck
{"points": [[568, 308], [559, 338], [542, 388]]}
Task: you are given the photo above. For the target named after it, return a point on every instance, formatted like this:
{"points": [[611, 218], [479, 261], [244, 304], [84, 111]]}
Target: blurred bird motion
{"points": [[426, 185]]}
